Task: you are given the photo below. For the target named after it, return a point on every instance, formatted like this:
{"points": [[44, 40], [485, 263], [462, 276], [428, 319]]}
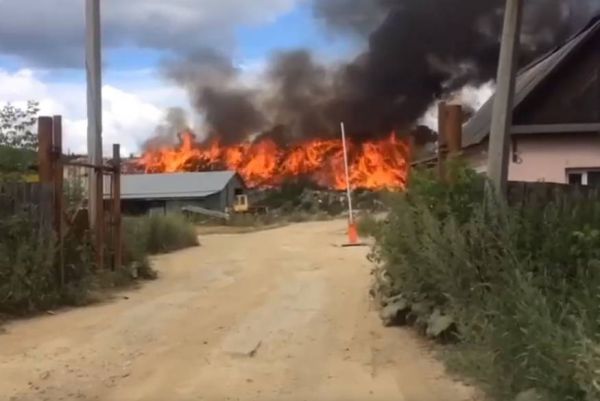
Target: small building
{"points": [[162, 193], [556, 126]]}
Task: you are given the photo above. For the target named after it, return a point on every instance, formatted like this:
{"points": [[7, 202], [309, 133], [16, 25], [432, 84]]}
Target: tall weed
{"points": [[157, 234], [521, 283]]}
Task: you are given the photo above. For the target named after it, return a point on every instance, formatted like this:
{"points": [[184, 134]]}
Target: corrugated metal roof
{"points": [[529, 79], [172, 186]]}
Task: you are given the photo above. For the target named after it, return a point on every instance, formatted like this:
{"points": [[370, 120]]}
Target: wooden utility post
{"points": [[504, 100], [94, 107]]}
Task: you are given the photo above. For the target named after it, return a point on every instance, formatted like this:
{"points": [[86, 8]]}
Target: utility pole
{"points": [[94, 106], [502, 116]]}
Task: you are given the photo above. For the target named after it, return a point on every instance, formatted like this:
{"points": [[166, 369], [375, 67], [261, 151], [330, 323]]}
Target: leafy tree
{"points": [[18, 142], [16, 126]]}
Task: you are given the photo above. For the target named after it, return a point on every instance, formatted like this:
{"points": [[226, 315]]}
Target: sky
{"points": [[42, 54]]}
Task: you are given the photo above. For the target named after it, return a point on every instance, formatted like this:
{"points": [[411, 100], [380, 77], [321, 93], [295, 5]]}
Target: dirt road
{"points": [[274, 315]]}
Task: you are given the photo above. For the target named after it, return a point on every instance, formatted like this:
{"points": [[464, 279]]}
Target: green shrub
{"points": [[157, 234], [521, 284], [29, 278], [368, 225], [27, 275]]}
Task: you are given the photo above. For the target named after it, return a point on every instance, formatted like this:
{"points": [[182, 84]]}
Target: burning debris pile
{"points": [[263, 163]]}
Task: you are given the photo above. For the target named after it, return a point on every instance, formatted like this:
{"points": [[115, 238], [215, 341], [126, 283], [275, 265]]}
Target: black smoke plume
{"points": [[418, 51], [229, 111]]}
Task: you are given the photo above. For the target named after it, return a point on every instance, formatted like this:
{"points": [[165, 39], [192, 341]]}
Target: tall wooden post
{"points": [[57, 151], [502, 116], [45, 170], [117, 221]]}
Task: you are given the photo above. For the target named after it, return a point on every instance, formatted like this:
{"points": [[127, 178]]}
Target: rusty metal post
{"points": [[453, 130], [116, 198], [45, 170], [57, 151], [442, 141], [99, 228], [410, 155]]}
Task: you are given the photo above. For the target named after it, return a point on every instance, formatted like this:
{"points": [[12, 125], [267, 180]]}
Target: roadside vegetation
{"points": [[156, 234], [30, 279], [514, 289]]}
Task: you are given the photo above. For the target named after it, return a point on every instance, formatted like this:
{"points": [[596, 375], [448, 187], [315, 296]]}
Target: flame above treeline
{"points": [[374, 165]]}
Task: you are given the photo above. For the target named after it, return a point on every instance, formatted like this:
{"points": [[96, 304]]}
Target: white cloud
{"points": [[129, 117], [56, 37]]}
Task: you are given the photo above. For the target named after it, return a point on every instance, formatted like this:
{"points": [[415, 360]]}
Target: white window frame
{"points": [[584, 174]]}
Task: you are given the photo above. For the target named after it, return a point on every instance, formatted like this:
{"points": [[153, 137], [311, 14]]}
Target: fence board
{"points": [[32, 199], [541, 193]]}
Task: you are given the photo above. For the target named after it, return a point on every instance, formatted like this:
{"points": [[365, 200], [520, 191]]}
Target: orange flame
{"points": [[379, 164]]}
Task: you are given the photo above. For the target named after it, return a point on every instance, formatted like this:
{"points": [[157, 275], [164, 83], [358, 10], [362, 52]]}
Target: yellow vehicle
{"points": [[242, 206]]}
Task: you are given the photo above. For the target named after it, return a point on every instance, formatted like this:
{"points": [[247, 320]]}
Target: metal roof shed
{"points": [[216, 190]]}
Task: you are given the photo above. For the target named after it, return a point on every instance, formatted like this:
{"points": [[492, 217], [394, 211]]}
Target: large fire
{"points": [[379, 164]]}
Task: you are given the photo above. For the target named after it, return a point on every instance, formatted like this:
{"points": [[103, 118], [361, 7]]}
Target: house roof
{"points": [[172, 186], [528, 80]]}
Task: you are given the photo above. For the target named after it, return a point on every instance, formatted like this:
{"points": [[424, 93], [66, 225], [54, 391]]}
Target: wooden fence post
{"points": [[116, 193]]}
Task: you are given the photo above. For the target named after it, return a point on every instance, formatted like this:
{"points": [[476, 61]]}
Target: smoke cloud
{"points": [[418, 51], [210, 78], [167, 132]]}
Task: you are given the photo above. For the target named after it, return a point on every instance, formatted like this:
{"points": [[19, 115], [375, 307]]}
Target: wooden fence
{"points": [[541, 193], [32, 199]]}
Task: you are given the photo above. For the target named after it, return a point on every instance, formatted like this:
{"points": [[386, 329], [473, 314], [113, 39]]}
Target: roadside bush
{"points": [[519, 285], [29, 278], [368, 226], [157, 234], [30, 281], [27, 274]]}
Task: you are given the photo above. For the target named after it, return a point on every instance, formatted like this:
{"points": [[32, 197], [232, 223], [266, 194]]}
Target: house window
{"points": [[593, 178], [576, 178], [586, 177]]}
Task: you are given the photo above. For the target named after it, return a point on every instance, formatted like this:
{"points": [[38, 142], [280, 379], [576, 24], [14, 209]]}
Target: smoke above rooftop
{"points": [[416, 52]]}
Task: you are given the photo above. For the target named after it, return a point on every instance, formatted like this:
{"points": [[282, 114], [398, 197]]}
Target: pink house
{"points": [[556, 128]]}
